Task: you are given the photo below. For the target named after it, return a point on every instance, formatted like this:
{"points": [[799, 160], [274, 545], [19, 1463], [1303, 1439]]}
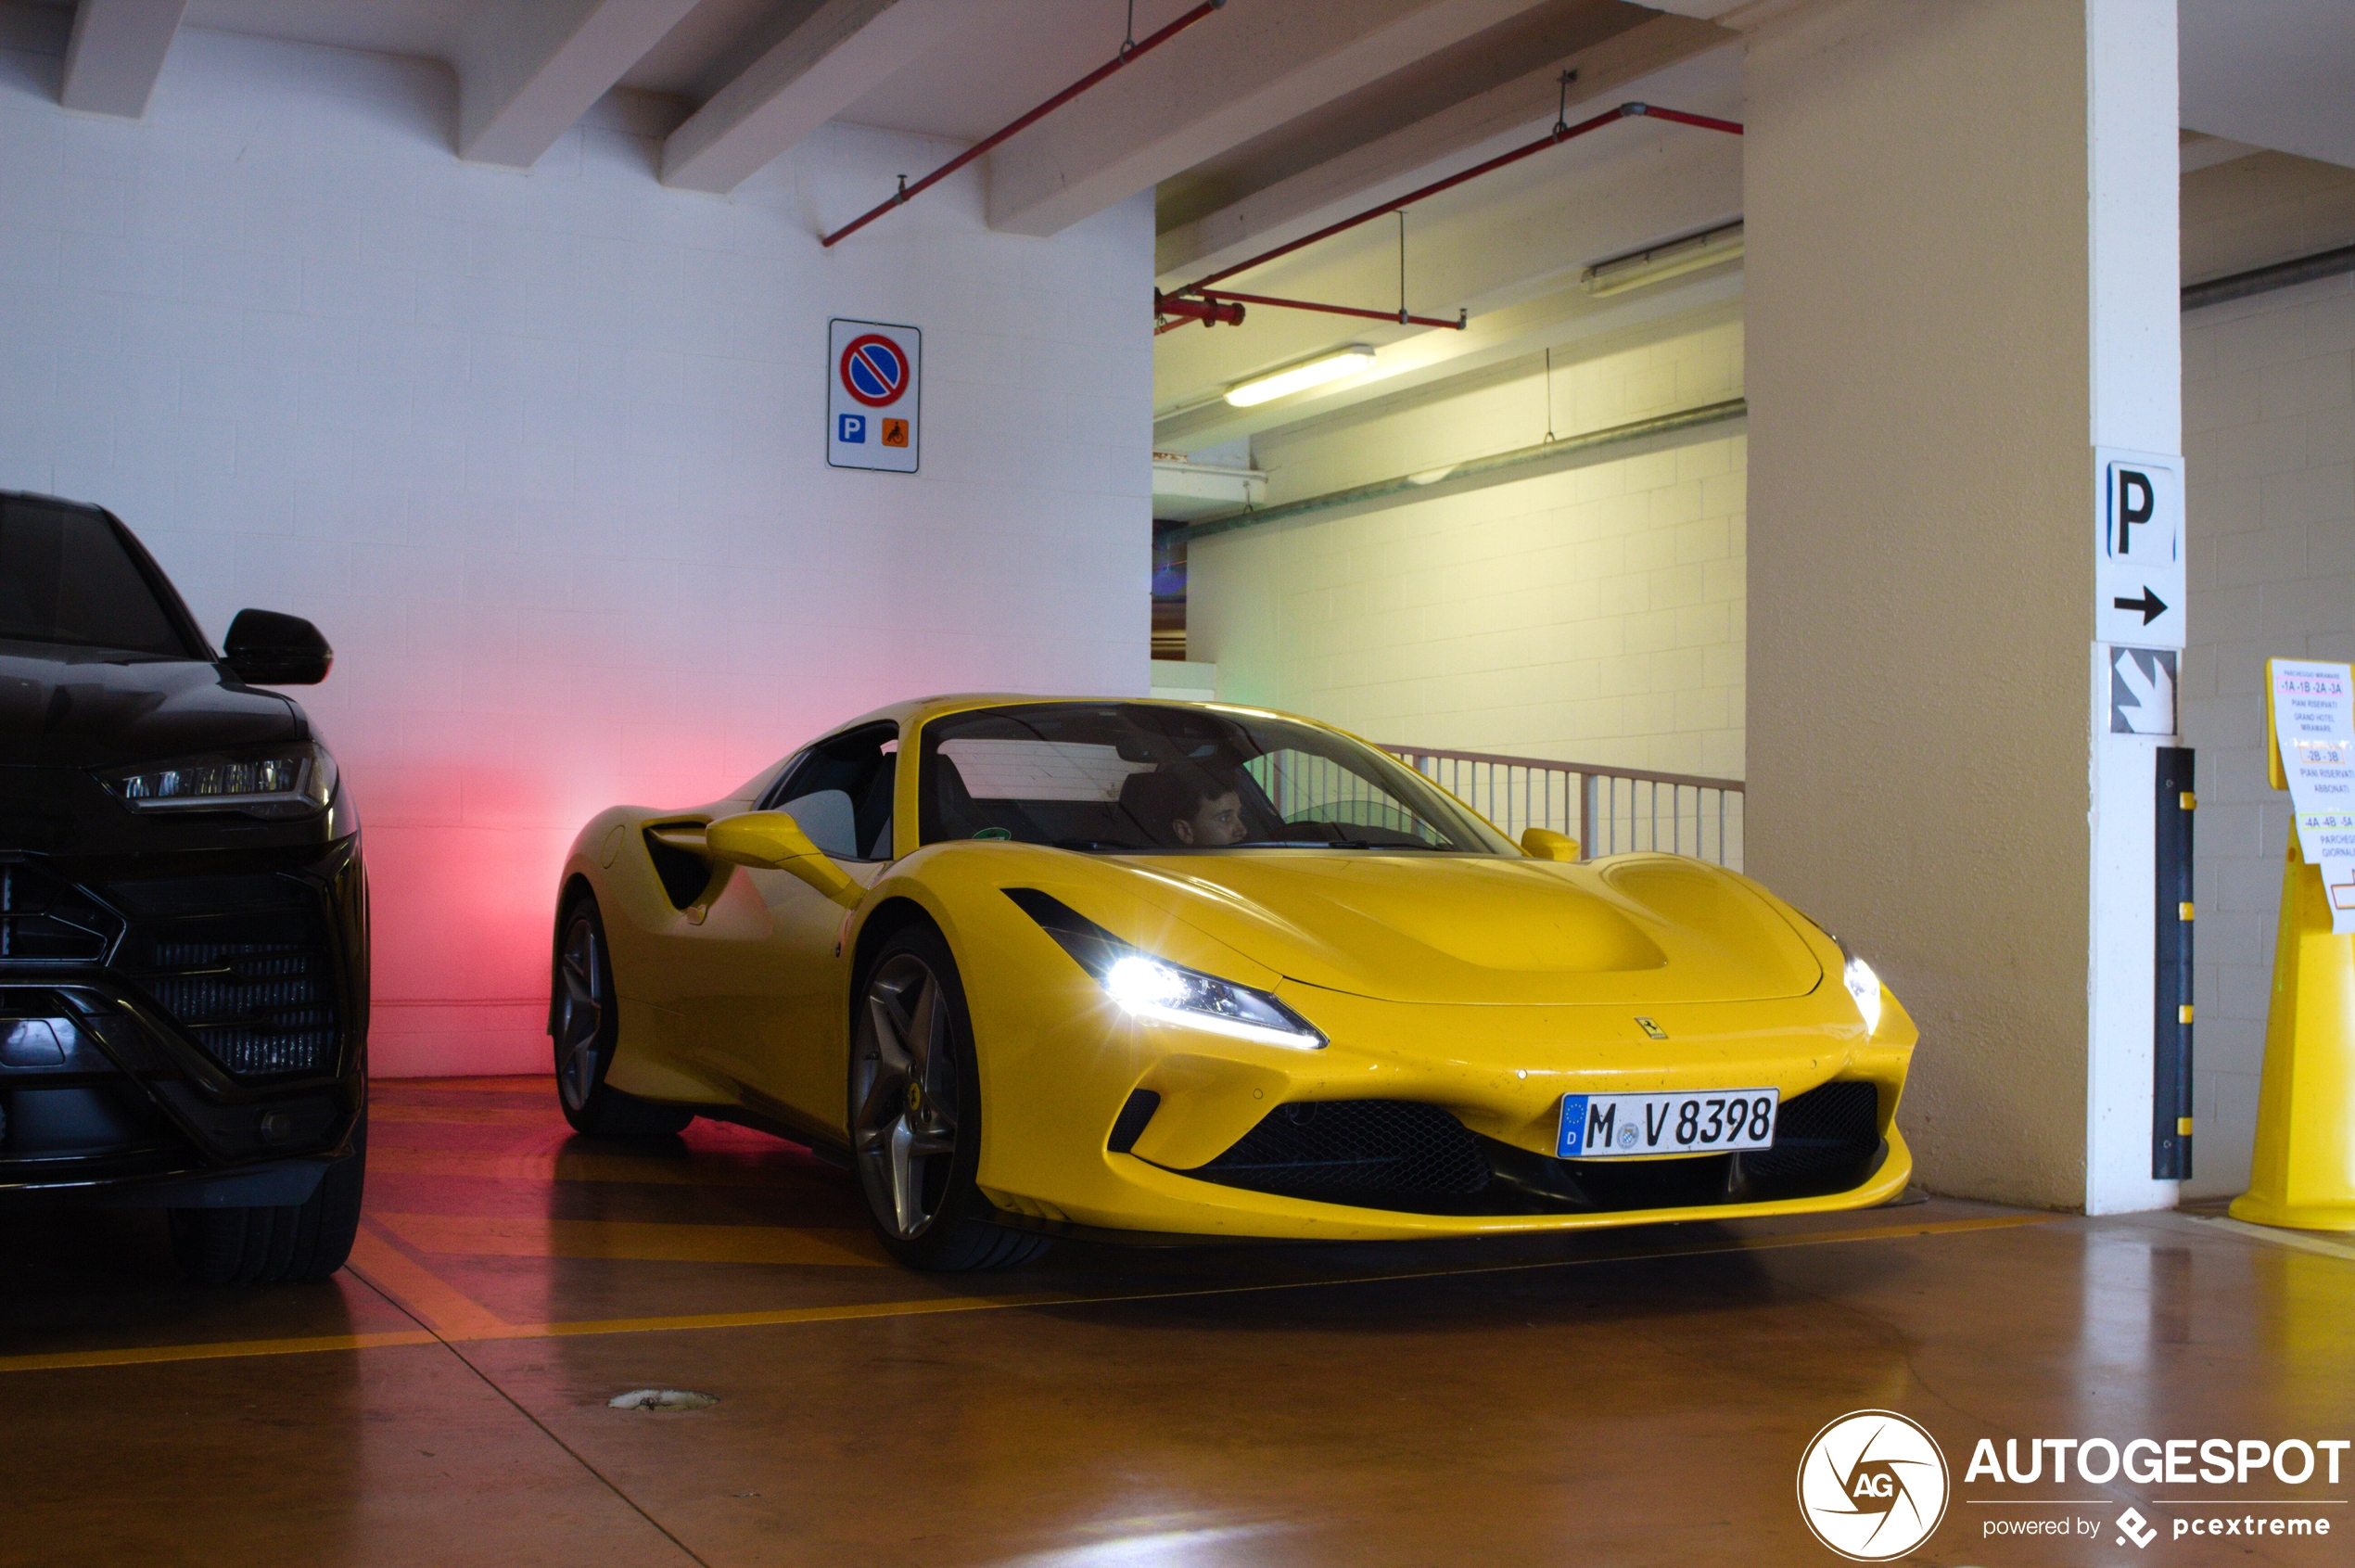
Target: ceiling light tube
{"points": [[1313, 373]]}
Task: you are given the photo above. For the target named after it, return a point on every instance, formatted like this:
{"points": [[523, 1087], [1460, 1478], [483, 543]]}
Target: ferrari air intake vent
{"points": [[251, 979], [44, 920], [1335, 1149], [1828, 1131]]}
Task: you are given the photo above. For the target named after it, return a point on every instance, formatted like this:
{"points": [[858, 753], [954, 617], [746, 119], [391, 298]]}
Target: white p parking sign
{"points": [[874, 401]]}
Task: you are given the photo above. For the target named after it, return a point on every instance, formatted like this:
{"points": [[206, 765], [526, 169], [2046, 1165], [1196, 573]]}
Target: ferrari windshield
{"points": [[1122, 778]]}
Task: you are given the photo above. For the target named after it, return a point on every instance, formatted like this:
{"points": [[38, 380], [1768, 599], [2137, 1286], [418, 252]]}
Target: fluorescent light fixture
{"points": [[1314, 373], [1658, 263]]}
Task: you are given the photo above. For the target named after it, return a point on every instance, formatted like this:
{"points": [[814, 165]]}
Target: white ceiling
{"points": [[2273, 73], [2277, 73]]}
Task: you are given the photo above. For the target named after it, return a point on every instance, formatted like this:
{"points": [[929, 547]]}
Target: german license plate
{"points": [[1618, 1127]]}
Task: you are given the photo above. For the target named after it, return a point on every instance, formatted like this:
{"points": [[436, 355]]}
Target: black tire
{"points": [[584, 1030], [282, 1244], [915, 1099]]}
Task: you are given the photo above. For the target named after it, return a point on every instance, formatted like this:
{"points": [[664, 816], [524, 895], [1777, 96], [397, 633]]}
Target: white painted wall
{"points": [[2269, 421], [1596, 615], [542, 456]]}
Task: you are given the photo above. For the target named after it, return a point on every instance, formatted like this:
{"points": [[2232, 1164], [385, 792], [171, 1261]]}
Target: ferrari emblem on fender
{"points": [[1649, 1028]]}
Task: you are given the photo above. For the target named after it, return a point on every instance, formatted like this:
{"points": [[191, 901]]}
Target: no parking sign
{"points": [[872, 419]]}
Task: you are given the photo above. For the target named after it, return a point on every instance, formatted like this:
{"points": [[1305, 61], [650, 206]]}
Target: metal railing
{"points": [[1609, 810]]}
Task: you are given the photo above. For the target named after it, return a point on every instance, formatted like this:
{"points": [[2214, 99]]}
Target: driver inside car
{"points": [[1183, 804]]}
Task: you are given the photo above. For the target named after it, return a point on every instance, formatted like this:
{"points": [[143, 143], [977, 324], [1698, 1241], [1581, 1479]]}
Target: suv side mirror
{"points": [[270, 649]]}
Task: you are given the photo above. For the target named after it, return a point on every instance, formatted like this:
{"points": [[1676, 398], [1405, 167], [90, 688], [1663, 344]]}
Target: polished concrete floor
{"points": [[1638, 1396]]}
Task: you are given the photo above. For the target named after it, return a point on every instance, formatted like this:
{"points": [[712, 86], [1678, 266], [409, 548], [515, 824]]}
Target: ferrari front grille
{"points": [[1827, 1131], [1332, 1149], [254, 984]]}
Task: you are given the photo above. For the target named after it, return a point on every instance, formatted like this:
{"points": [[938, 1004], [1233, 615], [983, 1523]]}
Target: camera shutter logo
{"points": [[1873, 1485]]}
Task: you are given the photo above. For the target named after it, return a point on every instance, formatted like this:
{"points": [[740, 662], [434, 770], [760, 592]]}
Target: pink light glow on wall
{"points": [[543, 457]]}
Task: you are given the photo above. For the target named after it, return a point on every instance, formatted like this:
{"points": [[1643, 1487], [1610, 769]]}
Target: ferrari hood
{"points": [[1469, 929]]}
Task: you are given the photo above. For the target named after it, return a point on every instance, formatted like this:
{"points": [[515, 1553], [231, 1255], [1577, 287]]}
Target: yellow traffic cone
{"points": [[2303, 1175]]}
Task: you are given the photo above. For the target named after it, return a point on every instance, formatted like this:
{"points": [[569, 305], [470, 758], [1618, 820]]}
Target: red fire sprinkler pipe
{"points": [[1559, 134], [1179, 311], [1128, 53]]}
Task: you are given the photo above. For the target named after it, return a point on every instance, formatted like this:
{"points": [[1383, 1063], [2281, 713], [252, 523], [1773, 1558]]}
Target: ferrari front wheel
{"points": [[584, 1026], [915, 1126]]}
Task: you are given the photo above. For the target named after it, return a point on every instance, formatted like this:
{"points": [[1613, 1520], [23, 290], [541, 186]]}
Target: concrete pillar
{"points": [[1961, 283]]}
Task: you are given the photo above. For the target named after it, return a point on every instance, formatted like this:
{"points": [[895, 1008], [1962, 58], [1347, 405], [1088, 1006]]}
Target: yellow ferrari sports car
{"points": [[1145, 969]]}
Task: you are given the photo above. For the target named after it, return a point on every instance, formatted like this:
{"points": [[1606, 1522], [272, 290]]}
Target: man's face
{"points": [[1219, 821]]}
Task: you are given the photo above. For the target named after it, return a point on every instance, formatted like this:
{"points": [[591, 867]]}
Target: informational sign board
{"points": [[2138, 559], [2142, 691], [874, 372], [2313, 710]]}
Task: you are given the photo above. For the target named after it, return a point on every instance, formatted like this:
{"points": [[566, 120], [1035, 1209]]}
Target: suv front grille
{"points": [[252, 979], [44, 920]]}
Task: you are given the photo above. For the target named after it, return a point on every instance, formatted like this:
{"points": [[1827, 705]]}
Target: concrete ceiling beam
{"points": [[843, 50], [528, 70], [1397, 161], [116, 52], [1259, 65]]}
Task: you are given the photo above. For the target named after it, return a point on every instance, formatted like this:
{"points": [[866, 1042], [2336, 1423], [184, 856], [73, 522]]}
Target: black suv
{"points": [[184, 914]]}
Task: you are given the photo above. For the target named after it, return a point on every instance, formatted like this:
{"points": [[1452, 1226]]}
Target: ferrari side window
{"points": [[840, 793]]}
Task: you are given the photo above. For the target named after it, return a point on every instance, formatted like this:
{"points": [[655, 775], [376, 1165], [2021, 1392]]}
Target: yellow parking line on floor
{"points": [[566, 1165], [637, 1241], [383, 1110], [420, 1291], [1066, 1298], [455, 1317], [138, 1354]]}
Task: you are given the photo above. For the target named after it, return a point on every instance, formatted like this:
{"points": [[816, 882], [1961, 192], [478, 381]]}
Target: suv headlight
{"points": [[287, 781], [1863, 985], [1146, 988]]}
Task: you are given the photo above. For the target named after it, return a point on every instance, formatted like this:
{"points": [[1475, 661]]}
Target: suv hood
{"points": [[75, 708], [1636, 929]]}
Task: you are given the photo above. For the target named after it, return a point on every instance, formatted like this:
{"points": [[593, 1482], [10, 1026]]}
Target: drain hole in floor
{"points": [[662, 1399]]}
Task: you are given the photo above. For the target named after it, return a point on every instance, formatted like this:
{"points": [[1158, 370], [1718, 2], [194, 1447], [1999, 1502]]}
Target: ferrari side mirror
{"points": [[270, 649], [773, 841], [1544, 844]]}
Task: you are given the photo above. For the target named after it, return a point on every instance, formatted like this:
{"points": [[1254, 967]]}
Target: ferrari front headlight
{"points": [[287, 781], [1146, 988], [1864, 987]]}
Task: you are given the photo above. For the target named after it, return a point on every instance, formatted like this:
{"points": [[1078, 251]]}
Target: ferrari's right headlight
{"points": [[1863, 985], [287, 781], [1147, 988]]}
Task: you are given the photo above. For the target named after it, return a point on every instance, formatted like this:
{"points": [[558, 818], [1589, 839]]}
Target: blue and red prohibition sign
{"points": [[874, 371]]}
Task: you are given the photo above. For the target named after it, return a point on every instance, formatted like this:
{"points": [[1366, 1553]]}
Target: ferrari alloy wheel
{"points": [[916, 1112], [584, 1026]]}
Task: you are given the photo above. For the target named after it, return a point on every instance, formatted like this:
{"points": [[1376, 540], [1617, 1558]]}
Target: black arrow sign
{"points": [[2150, 603]]}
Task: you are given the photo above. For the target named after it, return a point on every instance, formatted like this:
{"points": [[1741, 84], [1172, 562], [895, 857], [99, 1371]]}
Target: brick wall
{"points": [[2268, 436], [542, 455], [1595, 613]]}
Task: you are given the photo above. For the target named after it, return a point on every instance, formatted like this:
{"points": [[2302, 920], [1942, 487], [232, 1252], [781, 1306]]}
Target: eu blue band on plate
{"points": [[1572, 1140]]}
